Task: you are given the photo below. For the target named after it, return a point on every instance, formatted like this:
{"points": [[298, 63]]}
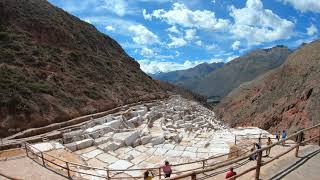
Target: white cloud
{"points": [[304, 5], [176, 42], [312, 30], [190, 34], [119, 7], [110, 28], [146, 52], [199, 43], [173, 29], [230, 58], [142, 36], [177, 54], [153, 66], [145, 15], [181, 15], [210, 47], [235, 45], [258, 25]]}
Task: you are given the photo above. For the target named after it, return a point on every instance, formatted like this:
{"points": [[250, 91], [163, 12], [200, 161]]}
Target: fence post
{"points": [[194, 176], [298, 142], [319, 137], [108, 174], [258, 165], [68, 170], [25, 146], [44, 164], [235, 139], [203, 164], [159, 172]]}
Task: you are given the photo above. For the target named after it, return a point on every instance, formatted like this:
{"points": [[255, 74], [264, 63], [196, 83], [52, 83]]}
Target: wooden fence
{"points": [[69, 167], [297, 136], [204, 165]]}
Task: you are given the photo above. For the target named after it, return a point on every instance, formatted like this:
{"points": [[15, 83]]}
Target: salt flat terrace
{"points": [[176, 129]]}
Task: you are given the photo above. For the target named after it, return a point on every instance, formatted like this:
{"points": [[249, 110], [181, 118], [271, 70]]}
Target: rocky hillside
{"points": [[245, 68], [54, 67], [187, 78], [287, 97], [185, 93]]}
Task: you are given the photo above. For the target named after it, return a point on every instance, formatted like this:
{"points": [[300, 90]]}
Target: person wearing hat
{"points": [[167, 169]]}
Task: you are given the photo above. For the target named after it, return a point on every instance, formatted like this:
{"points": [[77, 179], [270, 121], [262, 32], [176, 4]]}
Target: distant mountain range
{"points": [[285, 98], [187, 78], [218, 79]]}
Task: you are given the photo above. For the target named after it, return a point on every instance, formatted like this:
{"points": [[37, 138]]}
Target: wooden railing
{"points": [[68, 167], [297, 135], [203, 166]]}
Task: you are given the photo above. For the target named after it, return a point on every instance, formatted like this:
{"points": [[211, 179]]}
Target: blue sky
{"points": [[167, 35]]}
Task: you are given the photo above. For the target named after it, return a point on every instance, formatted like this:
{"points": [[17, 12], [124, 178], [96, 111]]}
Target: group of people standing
{"points": [[166, 168]]}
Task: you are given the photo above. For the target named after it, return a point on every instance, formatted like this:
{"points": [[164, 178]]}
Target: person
{"points": [[167, 169], [269, 142], [230, 173], [253, 157], [148, 175], [284, 136], [258, 145], [277, 136]]}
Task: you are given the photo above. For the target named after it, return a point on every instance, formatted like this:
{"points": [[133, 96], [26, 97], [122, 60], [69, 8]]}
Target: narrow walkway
{"points": [[27, 169], [305, 167]]}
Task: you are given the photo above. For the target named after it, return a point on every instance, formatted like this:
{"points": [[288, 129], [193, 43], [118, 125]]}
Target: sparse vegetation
{"points": [[40, 88]]}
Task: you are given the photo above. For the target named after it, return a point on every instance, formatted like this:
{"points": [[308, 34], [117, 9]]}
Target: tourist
{"points": [[258, 145], [269, 142], [230, 173], [284, 136], [277, 136], [167, 169], [253, 157], [148, 175]]}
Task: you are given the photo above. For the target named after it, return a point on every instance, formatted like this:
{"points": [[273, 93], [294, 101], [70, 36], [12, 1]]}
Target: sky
{"points": [[168, 35]]}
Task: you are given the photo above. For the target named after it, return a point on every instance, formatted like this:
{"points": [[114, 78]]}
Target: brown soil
{"points": [[12, 153]]}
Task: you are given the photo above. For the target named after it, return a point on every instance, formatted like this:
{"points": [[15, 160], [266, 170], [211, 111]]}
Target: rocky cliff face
{"points": [[54, 67], [245, 68], [285, 98]]}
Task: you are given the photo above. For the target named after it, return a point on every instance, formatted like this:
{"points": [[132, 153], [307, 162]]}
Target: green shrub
{"points": [[92, 94], [5, 36], [40, 88]]}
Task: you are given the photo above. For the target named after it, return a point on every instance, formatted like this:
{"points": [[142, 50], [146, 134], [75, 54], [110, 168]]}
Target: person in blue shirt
{"points": [[284, 135]]}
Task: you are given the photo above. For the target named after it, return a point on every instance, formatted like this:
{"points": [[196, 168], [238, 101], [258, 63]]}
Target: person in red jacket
{"points": [[230, 173]]}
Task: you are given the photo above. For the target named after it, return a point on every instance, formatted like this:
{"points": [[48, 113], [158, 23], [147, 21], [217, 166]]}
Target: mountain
{"points": [[185, 93], [187, 78], [287, 97], [54, 67], [242, 69]]}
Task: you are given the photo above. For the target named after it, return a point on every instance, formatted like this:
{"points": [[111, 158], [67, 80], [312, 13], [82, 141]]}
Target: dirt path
{"points": [[27, 169], [306, 166]]}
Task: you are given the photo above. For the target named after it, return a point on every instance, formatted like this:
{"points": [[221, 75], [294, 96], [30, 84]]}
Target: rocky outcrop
{"points": [[285, 98], [55, 67]]}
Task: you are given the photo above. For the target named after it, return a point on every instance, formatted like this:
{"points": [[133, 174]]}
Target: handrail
{"points": [[191, 172], [259, 152], [29, 146]]}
